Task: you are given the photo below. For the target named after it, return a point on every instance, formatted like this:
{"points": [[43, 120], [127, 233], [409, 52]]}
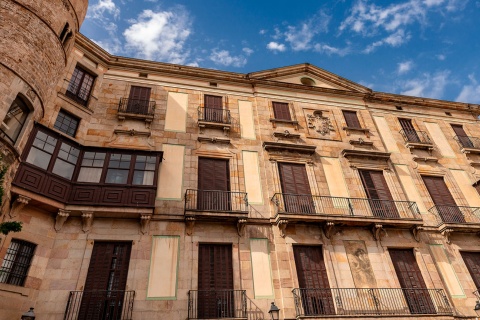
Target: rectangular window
{"points": [[295, 188], [409, 131], [92, 166], [213, 108], [42, 150], [66, 161], [445, 204], [472, 261], [351, 119], [80, 86], [66, 123], [281, 111], [462, 136], [118, 168], [213, 185], [14, 120], [376, 189], [17, 262], [144, 170], [138, 100]]}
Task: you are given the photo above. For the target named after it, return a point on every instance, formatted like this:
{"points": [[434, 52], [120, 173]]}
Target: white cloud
{"points": [[159, 35], [247, 51], [441, 57], [224, 58], [470, 93], [102, 7], [262, 31], [300, 37], [327, 49], [404, 67], [426, 85], [394, 40], [275, 46]]}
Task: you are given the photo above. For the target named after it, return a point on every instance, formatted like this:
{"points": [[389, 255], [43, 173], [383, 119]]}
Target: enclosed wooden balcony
{"points": [[375, 302]]}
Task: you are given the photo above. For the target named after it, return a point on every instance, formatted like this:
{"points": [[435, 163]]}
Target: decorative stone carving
{"points": [[87, 220], [320, 123], [416, 232], [241, 224], [145, 222], [447, 234], [18, 205], [282, 226], [62, 216], [31, 95], [190, 223], [329, 229], [378, 232]]}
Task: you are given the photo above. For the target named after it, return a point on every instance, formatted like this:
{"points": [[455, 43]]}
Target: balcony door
{"points": [[472, 261], [213, 108], [315, 290], [443, 199], [295, 188], [411, 281], [380, 198], [462, 136], [409, 131], [138, 100], [213, 185], [106, 280], [215, 281]]}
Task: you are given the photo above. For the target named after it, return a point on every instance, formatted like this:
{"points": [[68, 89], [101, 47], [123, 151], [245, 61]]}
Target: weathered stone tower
{"points": [[36, 38]]}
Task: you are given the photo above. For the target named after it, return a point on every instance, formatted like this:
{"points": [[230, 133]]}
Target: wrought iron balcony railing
{"points": [[456, 214], [216, 201], [137, 106], [414, 136], [214, 115], [377, 301], [216, 304], [104, 304], [348, 207], [78, 94], [468, 142]]}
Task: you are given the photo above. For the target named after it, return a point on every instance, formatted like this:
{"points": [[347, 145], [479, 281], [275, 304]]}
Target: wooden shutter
{"points": [[462, 136], [213, 184], [213, 110], [408, 130], [106, 280], [281, 111], [214, 102], [351, 119], [139, 93], [472, 261], [215, 281], [295, 188], [313, 280], [376, 188], [411, 280], [138, 100], [443, 199]]}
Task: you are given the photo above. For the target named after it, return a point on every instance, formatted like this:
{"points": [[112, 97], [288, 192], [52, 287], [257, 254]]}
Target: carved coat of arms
{"points": [[318, 122]]}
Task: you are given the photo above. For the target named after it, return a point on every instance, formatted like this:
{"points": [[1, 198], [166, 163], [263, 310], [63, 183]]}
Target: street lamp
{"points": [[275, 312], [29, 315], [477, 308]]}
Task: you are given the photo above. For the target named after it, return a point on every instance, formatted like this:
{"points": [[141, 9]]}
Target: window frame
{"points": [[65, 114], [20, 102], [15, 262], [278, 115], [75, 95], [357, 119]]}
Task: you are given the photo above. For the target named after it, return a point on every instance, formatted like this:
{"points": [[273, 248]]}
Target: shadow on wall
{"points": [[253, 311]]}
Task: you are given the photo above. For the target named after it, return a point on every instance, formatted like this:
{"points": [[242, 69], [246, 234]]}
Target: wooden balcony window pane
{"points": [[41, 151], [92, 166]]}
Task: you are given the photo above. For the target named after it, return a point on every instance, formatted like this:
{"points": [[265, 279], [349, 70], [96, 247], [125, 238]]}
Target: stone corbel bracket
{"points": [[189, 224], [329, 229], [18, 205], [87, 220], [447, 234], [62, 216], [378, 232], [241, 224], [282, 227], [145, 222], [416, 232]]}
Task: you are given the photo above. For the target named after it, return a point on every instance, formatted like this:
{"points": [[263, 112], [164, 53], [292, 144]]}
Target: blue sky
{"points": [[425, 48]]}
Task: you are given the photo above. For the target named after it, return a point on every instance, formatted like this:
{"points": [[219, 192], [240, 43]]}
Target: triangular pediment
{"points": [[308, 75]]}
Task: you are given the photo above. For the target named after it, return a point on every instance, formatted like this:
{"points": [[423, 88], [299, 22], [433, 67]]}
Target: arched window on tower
{"points": [[66, 34], [14, 120]]}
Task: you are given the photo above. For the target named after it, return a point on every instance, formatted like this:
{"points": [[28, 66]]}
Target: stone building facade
{"points": [[149, 190]]}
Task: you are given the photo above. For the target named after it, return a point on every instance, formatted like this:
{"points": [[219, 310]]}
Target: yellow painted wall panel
{"points": [[251, 171], [334, 175], [247, 124], [176, 117], [409, 185], [171, 172], [439, 138], [261, 268], [465, 184], [446, 270], [162, 282], [386, 134]]}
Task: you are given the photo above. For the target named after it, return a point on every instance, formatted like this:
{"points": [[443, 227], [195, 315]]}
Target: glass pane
{"points": [[116, 176], [89, 175], [39, 158], [63, 169], [143, 178]]}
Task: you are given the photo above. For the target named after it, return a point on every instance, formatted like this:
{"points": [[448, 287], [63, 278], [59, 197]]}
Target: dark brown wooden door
{"points": [[213, 109], [462, 136], [213, 185], [312, 276], [138, 100], [411, 281], [408, 130], [281, 111], [442, 198], [215, 281], [297, 197], [376, 189], [351, 119], [106, 279], [472, 261]]}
